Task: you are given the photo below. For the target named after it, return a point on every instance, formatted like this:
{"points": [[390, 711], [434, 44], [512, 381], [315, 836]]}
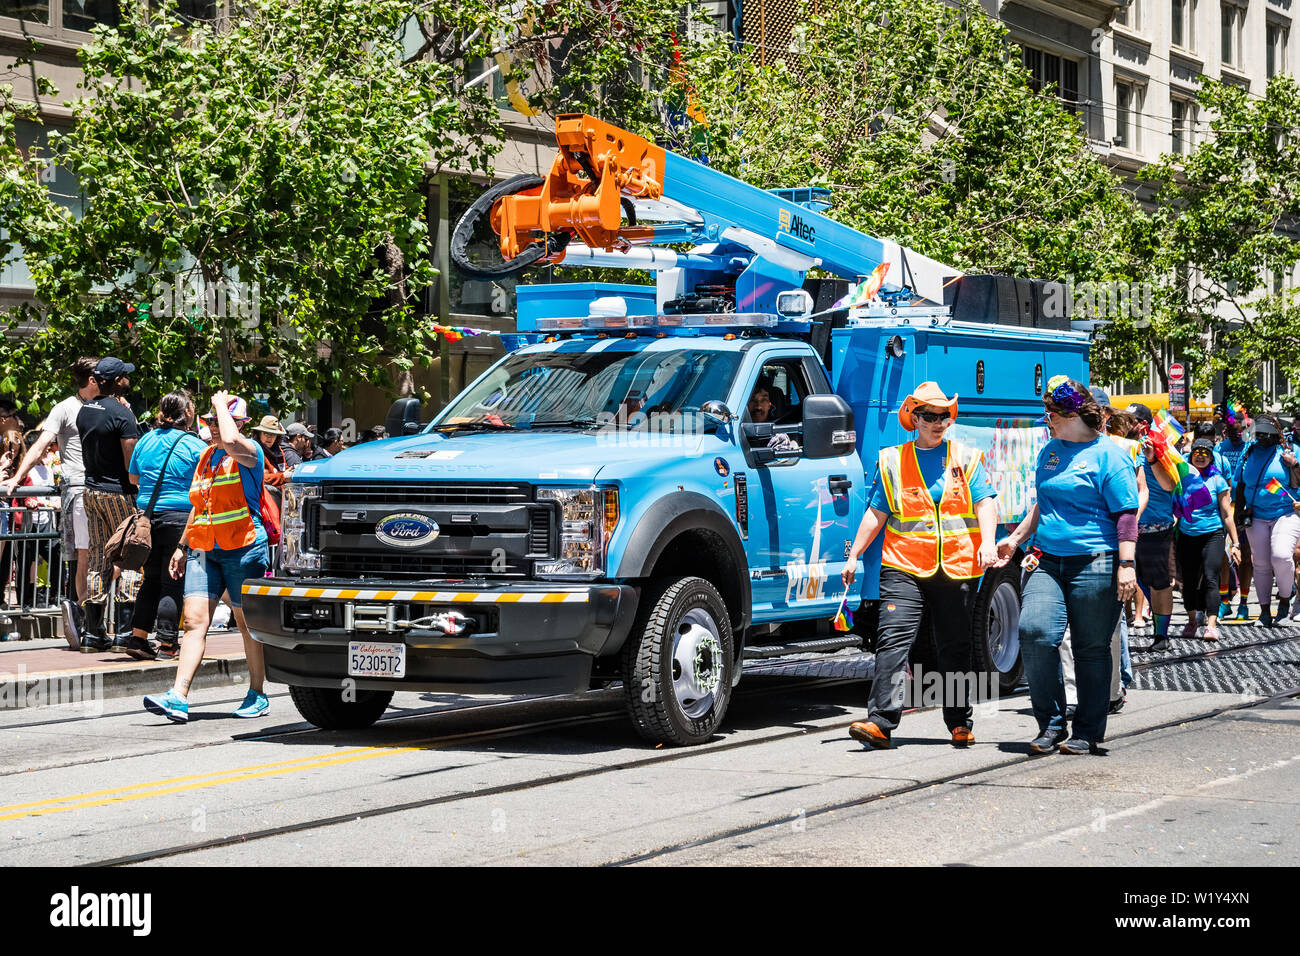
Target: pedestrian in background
{"points": [[1085, 524], [300, 441], [1264, 485], [1155, 538], [279, 460], [1200, 544], [108, 432], [227, 545], [60, 427], [163, 463], [331, 442], [1239, 574], [933, 499]]}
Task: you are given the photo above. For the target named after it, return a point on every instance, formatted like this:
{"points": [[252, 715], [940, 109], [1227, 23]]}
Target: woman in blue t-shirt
{"points": [[1085, 524], [1199, 547], [1264, 493]]}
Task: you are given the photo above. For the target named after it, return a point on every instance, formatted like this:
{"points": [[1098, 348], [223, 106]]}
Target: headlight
{"points": [[588, 517], [295, 558]]}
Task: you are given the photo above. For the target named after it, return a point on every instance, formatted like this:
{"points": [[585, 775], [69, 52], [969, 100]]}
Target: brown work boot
{"points": [[869, 734], [962, 737]]}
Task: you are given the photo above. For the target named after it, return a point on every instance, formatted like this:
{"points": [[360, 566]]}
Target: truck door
{"points": [[803, 513]]}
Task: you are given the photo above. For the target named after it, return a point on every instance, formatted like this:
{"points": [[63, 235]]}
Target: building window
{"points": [[1275, 55], [1053, 74], [1182, 23], [1183, 123], [1131, 16], [33, 11], [1231, 18], [1128, 107], [84, 14]]}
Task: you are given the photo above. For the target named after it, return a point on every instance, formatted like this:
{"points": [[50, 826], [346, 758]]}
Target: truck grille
{"points": [[485, 530]]}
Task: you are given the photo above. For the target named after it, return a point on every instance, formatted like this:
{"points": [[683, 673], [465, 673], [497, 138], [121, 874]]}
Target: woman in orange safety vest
{"points": [[227, 544], [933, 499]]}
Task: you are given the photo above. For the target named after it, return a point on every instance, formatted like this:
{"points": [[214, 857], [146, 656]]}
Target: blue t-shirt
{"points": [[1206, 519], [1255, 471], [1160, 503], [932, 461], [1232, 454], [1080, 486], [147, 458], [251, 479]]}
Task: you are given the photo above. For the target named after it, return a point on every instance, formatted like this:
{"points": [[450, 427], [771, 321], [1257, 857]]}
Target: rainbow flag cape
{"points": [[1190, 492], [1276, 487], [843, 619]]}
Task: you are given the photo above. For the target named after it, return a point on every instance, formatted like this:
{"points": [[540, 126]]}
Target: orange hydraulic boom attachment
{"points": [[583, 195]]}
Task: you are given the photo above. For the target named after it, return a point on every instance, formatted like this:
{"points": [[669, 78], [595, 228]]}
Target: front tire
{"points": [[326, 708], [678, 662]]}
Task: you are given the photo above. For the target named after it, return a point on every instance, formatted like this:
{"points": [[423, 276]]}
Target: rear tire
{"points": [[678, 662], [326, 708], [995, 627]]}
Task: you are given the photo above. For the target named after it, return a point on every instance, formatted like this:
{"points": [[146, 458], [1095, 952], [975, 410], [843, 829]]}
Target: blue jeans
{"points": [[1125, 660], [209, 573], [1080, 591]]}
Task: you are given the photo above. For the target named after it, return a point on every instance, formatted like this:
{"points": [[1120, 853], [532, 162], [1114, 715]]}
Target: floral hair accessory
{"points": [[1064, 394]]}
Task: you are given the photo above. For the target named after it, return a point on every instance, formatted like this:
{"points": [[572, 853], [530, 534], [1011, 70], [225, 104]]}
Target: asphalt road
{"points": [[1190, 777]]}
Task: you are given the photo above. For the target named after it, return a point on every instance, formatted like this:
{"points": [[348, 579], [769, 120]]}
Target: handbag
{"points": [[129, 546]]}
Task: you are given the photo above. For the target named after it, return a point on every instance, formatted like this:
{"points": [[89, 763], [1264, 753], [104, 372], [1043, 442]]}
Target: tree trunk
{"points": [[394, 264]]}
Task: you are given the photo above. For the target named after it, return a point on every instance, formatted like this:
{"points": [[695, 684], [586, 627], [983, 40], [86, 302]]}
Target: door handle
{"points": [[839, 484]]}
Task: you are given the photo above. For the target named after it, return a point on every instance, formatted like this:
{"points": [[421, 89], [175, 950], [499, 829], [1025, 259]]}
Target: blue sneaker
{"points": [[169, 705], [1243, 613], [255, 705], [1225, 610]]}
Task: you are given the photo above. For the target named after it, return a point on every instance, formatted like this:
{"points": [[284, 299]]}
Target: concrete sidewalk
{"points": [[32, 671]]}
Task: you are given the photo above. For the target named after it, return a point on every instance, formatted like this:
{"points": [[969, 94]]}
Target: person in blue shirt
{"points": [[933, 499], [1155, 544], [173, 445], [1085, 525], [1236, 575], [1199, 546], [1264, 495]]}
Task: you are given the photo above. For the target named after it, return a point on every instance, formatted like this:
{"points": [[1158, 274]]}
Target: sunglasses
{"points": [[932, 417]]}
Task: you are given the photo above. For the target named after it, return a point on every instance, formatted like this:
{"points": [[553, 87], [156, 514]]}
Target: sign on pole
{"points": [[1178, 391]]}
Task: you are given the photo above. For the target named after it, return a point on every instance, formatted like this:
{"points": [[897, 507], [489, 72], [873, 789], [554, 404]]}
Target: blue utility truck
{"points": [[669, 480]]}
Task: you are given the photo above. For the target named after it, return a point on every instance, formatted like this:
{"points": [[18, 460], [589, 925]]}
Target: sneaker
{"points": [[1140, 624], [1211, 634], [1159, 645], [1078, 747], [134, 647], [1243, 613], [168, 652], [1046, 743], [169, 705], [1225, 611], [1117, 705], [90, 644], [71, 624], [868, 733], [962, 737], [255, 705], [1265, 618], [1189, 629]]}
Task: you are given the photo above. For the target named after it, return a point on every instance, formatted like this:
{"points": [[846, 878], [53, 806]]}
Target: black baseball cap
{"points": [[1141, 412], [112, 367], [1265, 427]]}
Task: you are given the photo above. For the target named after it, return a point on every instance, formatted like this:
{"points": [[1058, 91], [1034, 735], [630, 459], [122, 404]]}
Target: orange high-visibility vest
{"points": [[920, 536], [220, 517]]}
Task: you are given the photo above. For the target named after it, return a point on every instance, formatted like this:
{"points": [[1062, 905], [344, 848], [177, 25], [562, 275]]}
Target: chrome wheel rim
{"points": [[697, 663], [1004, 627]]}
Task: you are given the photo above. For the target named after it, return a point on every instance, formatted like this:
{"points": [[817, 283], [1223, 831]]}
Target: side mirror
{"points": [[716, 412], [827, 427], [403, 417]]}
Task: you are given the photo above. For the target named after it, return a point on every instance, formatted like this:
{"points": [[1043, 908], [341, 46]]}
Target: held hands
{"points": [[988, 555], [1127, 583], [1006, 550]]}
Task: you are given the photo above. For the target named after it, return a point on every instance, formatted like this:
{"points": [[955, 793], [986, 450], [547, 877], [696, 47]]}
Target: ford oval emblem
{"points": [[406, 530]]}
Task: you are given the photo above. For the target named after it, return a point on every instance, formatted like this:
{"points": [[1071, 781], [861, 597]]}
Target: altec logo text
{"points": [[795, 226], [76, 909]]}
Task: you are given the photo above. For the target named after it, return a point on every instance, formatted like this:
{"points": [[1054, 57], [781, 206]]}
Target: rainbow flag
{"points": [[1169, 425], [843, 619], [1190, 492], [1237, 413], [861, 295], [1276, 487]]}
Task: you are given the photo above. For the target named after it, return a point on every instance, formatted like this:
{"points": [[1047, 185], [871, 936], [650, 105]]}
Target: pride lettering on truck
{"points": [[602, 505]]}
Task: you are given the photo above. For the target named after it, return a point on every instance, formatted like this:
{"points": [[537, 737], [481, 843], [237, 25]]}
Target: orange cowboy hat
{"points": [[927, 393]]}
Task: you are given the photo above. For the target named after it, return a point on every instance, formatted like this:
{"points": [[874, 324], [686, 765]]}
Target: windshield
{"points": [[638, 389]]}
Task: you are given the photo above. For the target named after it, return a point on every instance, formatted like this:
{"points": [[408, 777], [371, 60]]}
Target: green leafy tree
{"points": [[1223, 234]]}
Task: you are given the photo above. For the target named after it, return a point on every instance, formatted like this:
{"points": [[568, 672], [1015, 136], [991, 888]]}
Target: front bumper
{"points": [[532, 638]]}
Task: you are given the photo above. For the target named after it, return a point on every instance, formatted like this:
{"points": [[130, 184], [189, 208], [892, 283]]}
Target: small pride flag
{"points": [[861, 295], [1273, 486], [843, 618]]}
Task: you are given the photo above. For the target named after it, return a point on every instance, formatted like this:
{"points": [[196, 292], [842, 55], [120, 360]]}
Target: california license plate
{"points": [[372, 659]]}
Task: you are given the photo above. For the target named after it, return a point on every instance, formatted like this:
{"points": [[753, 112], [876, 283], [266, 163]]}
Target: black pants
{"points": [[158, 606], [903, 599], [1200, 559]]}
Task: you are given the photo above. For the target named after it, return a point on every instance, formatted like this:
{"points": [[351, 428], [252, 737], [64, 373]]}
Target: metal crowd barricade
{"points": [[31, 564]]}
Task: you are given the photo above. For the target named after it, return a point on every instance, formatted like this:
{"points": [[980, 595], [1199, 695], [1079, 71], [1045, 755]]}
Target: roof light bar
{"points": [[703, 320]]}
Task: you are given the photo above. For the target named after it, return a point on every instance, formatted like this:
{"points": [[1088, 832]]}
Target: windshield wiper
{"points": [[572, 423], [474, 426]]}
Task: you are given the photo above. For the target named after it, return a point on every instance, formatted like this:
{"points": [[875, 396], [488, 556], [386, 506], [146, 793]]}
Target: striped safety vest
{"points": [[220, 517], [920, 537]]}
